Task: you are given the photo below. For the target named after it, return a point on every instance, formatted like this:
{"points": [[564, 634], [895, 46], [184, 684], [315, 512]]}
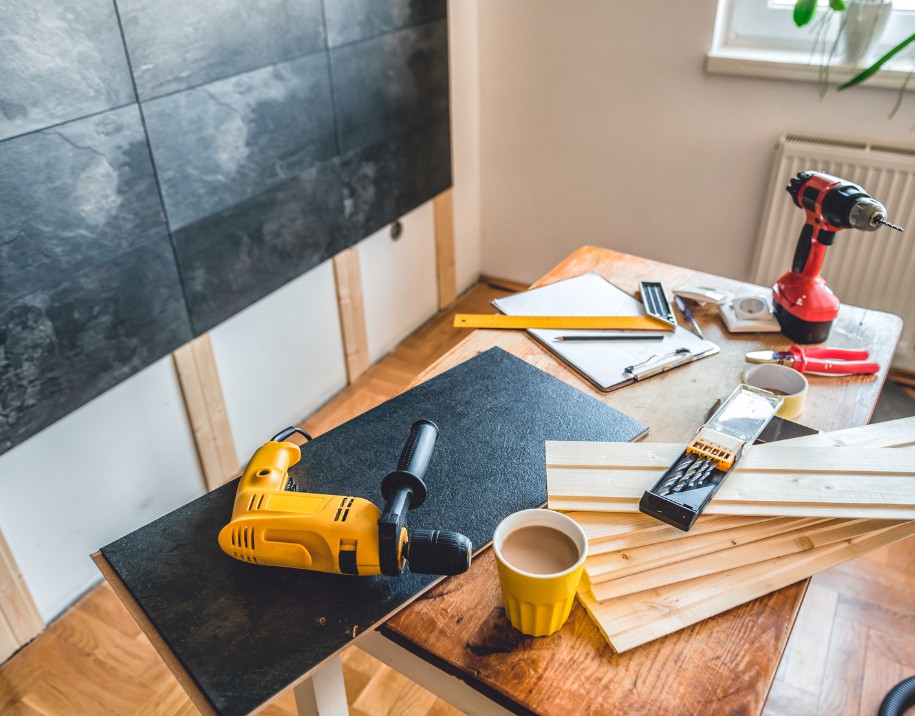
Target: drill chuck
{"points": [[867, 214], [438, 552]]}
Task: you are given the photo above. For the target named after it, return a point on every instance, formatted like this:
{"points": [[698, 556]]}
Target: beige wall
{"points": [[599, 125]]}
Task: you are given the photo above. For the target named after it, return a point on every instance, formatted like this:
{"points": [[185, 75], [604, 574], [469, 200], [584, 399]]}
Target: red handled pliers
{"points": [[832, 361]]}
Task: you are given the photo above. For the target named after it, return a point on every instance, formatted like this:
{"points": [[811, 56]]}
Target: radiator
{"points": [[875, 270]]}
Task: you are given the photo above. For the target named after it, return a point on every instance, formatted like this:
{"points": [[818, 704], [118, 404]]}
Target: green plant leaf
{"points": [[804, 11], [875, 68], [837, 5]]}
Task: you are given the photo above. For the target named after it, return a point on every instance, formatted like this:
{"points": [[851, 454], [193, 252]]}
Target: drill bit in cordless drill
{"points": [[881, 220]]}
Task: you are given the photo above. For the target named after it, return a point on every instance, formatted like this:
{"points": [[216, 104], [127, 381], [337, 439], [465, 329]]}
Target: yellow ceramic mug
{"points": [[539, 604]]}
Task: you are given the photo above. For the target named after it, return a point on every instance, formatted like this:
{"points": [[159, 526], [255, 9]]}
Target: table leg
{"points": [[447, 687], [322, 693]]}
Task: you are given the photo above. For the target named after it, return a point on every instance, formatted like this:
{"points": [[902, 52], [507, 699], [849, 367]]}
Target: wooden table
{"points": [[723, 665]]}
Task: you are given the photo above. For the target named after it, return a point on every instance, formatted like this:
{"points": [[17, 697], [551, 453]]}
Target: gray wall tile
{"points": [[350, 20], [176, 44], [384, 181], [59, 60], [390, 83], [224, 142], [73, 196], [61, 347], [230, 260]]}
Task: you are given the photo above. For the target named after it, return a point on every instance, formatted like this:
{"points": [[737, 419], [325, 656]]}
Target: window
{"points": [[758, 37]]}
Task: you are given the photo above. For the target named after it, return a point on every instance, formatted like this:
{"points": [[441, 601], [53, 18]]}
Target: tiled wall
{"points": [[164, 164]]}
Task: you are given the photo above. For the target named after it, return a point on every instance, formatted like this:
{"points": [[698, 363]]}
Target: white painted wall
{"points": [[118, 462], [599, 125], [280, 358], [398, 280], [464, 73]]}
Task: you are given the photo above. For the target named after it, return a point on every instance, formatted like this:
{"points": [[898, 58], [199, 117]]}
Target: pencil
{"points": [[613, 337]]}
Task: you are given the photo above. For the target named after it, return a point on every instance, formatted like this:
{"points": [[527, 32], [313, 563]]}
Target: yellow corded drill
{"points": [[273, 524]]}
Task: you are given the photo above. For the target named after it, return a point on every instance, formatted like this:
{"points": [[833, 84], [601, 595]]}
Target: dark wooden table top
{"points": [[723, 665]]}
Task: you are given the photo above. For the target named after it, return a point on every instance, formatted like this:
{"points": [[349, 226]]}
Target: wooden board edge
{"points": [[351, 310], [197, 697], [446, 275], [17, 607]]}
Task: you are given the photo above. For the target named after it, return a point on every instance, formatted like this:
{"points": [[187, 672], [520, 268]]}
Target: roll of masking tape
{"points": [[783, 381]]}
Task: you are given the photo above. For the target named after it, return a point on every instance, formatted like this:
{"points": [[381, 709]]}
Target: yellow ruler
{"points": [[627, 323]]}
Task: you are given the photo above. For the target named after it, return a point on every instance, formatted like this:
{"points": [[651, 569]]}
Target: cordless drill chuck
{"points": [[804, 305]]}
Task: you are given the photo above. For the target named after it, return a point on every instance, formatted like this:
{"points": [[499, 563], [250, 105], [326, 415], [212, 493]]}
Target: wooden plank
{"points": [[198, 376], [805, 538], [663, 532], [891, 433], [630, 560], [444, 248], [348, 278], [18, 612], [772, 457], [750, 509], [634, 620]]}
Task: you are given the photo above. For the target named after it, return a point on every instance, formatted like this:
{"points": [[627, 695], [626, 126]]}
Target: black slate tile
{"points": [[350, 20], [384, 181], [176, 44], [59, 60], [245, 632], [231, 259], [61, 347], [390, 83], [74, 196], [222, 143]]}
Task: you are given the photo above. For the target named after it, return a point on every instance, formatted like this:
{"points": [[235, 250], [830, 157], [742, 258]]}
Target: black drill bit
{"points": [[880, 220]]}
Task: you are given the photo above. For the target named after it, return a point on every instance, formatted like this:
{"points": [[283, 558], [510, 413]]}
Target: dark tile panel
{"points": [[386, 180], [61, 347], [176, 44], [230, 260], [230, 140], [74, 196], [350, 20], [391, 83], [59, 60]]}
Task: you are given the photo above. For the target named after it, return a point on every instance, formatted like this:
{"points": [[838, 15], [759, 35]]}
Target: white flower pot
{"points": [[864, 24]]}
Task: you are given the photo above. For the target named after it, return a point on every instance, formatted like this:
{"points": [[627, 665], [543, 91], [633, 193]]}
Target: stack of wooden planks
{"points": [[789, 510]]}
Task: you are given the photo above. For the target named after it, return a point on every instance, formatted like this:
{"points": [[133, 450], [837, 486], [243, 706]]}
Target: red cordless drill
{"points": [[804, 305]]}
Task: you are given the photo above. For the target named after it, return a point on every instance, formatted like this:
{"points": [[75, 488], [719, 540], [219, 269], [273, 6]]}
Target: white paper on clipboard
{"points": [[604, 364]]}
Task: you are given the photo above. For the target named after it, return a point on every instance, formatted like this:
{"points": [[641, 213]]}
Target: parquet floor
{"points": [[854, 639]]}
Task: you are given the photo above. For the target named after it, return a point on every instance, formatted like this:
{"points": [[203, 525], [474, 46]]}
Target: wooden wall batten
{"points": [[206, 410], [348, 278], [444, 248], [20, 621]]}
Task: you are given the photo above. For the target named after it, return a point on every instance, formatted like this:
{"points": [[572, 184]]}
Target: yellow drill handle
{"points": [[267, 471]]}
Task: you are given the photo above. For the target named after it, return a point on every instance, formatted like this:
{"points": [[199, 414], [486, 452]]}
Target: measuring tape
{"points": [[630, 323]]}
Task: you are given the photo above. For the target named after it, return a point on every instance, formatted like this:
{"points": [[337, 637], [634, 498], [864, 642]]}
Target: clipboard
{"points": [[614, 364]]}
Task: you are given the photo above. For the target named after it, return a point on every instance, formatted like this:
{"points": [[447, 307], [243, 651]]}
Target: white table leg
{"points": [[447, 687], [322, 693]]}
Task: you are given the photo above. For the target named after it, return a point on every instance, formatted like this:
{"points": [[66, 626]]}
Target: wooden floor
{"points": [[854, 639]]}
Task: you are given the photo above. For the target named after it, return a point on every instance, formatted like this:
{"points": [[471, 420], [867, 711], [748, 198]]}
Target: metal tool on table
{"points": [[829, 361], [804, 305], [273, 524], [689, 483], [688, 314]]}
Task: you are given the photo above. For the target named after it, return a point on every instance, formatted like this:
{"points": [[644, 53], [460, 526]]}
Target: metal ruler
{"points": [[629, 323]]}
